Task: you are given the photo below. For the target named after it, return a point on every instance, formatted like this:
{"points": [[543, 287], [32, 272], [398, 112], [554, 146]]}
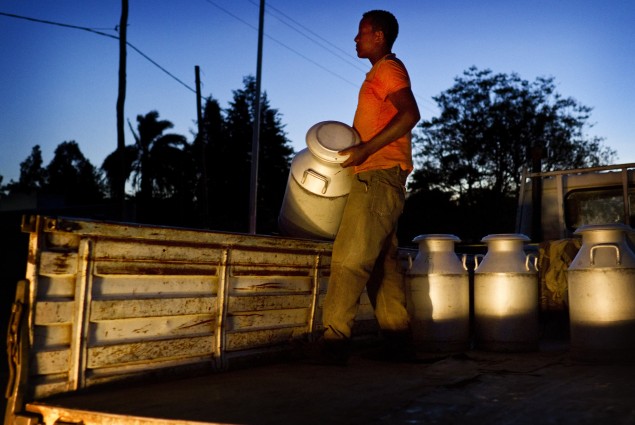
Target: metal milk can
{"points": [[601, 280], [439, 296], [506, 295], [318, 186]]}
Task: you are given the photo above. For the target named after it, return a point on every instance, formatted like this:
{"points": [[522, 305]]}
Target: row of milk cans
{"points": [[601, 295]]}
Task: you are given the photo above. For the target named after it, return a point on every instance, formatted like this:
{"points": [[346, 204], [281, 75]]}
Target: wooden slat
{"points": [[267, 302], [269, 284], [265, 258], [248, 340], [47, 337], [131, 330], [54, 312], [121, 309], [267, 319], [122, 267], [149, 351], [140, 285], [56, 287], [159, 251], [50, 362], [58, 263]]}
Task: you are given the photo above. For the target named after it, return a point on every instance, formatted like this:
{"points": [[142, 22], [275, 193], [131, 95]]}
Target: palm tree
{"points": [[159, 165]]}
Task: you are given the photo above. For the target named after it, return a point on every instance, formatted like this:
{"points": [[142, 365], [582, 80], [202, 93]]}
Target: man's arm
{"points": [[404, 120]]}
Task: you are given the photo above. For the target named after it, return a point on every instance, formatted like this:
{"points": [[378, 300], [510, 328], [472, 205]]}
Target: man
{"points": [[365, 248]]}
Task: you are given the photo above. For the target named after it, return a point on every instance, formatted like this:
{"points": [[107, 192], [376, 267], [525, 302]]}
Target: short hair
{"points": [[384, 21]]}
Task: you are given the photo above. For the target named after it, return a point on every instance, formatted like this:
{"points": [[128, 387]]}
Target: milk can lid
{"points": [[326, 138], [436, 236], [506, 236], [603, 227]]}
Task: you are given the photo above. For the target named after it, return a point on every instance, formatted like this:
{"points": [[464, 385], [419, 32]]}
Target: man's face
{"points": [[366, 40]]}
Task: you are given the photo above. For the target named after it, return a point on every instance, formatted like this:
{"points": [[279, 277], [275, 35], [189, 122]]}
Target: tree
{"points": [[488, 126], [229, 162], [159, 165], [210, 159], [32, 174], [71, 175], [169, 175]]}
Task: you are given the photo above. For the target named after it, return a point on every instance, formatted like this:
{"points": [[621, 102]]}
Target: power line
{"points": [[95, 31], [345, 56], [224, 10], [304, 28], [319, 65], [328, 42]]}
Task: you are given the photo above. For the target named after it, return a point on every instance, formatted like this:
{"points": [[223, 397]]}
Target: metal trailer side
{"points": [[107, 302]]}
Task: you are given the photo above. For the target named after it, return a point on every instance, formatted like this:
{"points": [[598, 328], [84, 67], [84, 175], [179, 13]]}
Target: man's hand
{"points": [[356, 155]]}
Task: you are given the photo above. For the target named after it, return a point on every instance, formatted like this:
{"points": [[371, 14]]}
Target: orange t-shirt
{"points": [[374, 112]]}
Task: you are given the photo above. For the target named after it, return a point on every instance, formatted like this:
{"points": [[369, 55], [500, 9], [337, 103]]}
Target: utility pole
{"points": [[253, 200], [120, 183], [203, 142]]}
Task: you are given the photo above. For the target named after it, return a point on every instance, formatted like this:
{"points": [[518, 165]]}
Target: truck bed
{"points": [[476, 387], [108, 310]]}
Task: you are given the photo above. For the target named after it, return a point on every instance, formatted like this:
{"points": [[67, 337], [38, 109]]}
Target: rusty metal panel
{"points": [[113, 300], [270, 258], [127, 308], [55, 287], [264, 302], [143, 286], [162, 250], [58, 263], [51, 362], [51, 337], [269, 284], [54, 313], [150, 351], [102, 332], [267, 319], [270, 298], [263, 338]]}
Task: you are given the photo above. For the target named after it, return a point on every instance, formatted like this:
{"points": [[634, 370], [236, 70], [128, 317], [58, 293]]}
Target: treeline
{"points": [[170, 181], [468, 161]]}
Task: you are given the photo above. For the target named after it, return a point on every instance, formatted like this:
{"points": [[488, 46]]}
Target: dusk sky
{"points": [[60, 84]]}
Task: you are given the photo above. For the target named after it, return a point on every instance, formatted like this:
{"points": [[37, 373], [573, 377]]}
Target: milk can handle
{"points": [[528, 258], [464, 261], [409, 262], [317, 176], [618, 258], [476, 257]]}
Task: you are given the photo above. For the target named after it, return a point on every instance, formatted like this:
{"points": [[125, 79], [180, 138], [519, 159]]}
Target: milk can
{"points": [[439, 296], [506, 295], [318, 186], [601, 280]]}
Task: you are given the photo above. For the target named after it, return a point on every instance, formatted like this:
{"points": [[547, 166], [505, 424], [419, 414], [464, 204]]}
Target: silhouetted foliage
{"points": [[32, 174], [228, 148], [69, 176], [476, 148], [160, 168], [207, 183], [72, 176]]}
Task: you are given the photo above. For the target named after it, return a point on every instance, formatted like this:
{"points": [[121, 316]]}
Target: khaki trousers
{"points": [[365, 256]]}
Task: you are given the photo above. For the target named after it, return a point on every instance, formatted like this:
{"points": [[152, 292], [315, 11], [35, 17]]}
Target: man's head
{"points": [[385, 22]]}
